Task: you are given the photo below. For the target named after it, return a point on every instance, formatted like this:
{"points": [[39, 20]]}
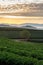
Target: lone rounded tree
{"points": [[25, 34]]}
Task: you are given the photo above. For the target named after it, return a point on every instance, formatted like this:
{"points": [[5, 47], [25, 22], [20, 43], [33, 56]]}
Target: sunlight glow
{"points": [[20, 19]]}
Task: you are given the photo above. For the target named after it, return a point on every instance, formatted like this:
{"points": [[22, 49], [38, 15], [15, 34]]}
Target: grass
{"points": [[20, 53]]}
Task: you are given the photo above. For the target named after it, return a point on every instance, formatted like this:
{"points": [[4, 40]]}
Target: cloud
{"points": [[6, 2]]}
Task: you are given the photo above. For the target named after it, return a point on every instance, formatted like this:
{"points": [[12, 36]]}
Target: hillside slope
{"points": [[20, 53]]}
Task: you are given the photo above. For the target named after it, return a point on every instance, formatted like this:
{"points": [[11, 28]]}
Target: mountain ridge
{"points": [[25, 25]]}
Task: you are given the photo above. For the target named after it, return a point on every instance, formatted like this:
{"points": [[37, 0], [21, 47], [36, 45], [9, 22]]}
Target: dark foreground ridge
{"points": [[28, 32]]}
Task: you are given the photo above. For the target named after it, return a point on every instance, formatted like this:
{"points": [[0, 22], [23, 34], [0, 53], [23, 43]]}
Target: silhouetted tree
{"points": [[25, 34]]}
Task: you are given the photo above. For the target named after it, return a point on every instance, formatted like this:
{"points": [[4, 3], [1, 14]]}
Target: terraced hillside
{"points": [[15, 33]]}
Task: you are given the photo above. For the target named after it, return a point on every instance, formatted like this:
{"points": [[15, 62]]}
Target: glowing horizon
{"points": [[20, 20]]}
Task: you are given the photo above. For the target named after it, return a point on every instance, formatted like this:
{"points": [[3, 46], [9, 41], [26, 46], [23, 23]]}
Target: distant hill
{"points": [[25, 25]]}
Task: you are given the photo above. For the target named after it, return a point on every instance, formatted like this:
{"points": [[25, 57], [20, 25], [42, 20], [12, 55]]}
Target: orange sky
{"points": [[21, 20]]}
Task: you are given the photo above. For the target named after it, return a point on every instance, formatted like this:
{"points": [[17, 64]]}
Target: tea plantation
{"points": [[20, 52]]}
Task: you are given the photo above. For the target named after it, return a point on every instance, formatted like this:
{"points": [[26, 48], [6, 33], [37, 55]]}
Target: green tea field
{"points": [[20, 52]]}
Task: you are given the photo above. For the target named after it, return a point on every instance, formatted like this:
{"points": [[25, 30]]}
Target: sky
{"points": [[19, 1], [20, 20]]}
